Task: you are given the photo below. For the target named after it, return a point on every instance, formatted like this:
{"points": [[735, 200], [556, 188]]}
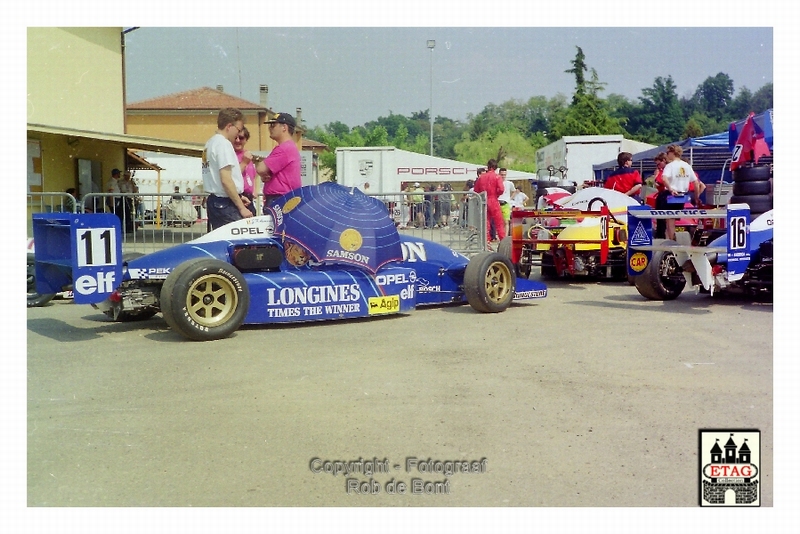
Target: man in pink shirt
{"points": [[492, 184], [280, 171]]}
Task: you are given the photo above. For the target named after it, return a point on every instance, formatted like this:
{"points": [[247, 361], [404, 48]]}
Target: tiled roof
{"points": [[204, 98], [310, 143]]}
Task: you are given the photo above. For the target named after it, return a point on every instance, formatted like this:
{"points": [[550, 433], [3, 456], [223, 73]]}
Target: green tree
{"points": [[518, 152], [702, 124], [692, 129], [742, 104], [400, 139], [588, 114], [578, 69], [659, 117], [762, 99], [714, 95], [377, 136]]}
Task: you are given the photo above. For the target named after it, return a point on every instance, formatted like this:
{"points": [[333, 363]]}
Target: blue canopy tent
{"points": [[709, 156]]}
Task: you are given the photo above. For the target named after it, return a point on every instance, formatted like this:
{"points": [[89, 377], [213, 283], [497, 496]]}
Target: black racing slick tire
{"points": [[756, 187], [757, 203], [548, 268], [205, 299], [663, 278], [505, 248], [35, 298], [489, 282], [752, 174]]}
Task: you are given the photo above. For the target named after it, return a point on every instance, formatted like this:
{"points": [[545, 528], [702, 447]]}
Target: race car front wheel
{"points": [[489, 282], [205, 299], [663, 278]]}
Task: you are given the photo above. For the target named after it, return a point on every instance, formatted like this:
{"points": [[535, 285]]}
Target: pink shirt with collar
{"points": [[284, 163]]}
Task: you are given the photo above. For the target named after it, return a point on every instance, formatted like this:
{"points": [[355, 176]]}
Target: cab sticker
{"points": [[638, 262]]}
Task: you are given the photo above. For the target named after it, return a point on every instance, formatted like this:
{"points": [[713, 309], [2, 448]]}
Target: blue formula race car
{"points": [[738, 257], [322, 252]]}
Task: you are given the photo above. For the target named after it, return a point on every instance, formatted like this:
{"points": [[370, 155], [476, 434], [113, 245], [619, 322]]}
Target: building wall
{"points": [[75, 78], [75, 81], [194, 127]]}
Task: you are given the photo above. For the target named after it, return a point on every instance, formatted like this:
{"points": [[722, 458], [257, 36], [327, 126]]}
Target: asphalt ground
{"points": [[592, 396]]}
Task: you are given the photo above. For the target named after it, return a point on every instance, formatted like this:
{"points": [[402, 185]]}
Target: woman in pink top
{"points": [[248, 169]]}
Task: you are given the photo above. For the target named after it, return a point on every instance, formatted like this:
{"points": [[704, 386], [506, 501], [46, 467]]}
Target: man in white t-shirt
{"points": [[677, 176], [505, 198], [222, 176]]}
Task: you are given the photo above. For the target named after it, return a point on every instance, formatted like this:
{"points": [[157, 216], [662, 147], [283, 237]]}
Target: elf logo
{"points": [[100, 283]]}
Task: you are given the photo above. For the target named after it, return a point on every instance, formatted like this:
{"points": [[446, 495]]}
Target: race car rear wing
{"points": [[737, 251], [541, 227], [82, 252]]}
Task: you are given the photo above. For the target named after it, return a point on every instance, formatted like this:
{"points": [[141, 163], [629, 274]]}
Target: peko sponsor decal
{"points": [[153, 273]]}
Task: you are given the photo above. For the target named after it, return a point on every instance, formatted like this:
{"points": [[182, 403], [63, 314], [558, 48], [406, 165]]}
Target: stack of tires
{"points": [[753, 186]]}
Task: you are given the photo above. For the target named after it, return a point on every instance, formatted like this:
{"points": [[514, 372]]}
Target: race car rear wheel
{"points": [[548, 266], [34, 297], [489, 282], [205, 299], [663, 278]]}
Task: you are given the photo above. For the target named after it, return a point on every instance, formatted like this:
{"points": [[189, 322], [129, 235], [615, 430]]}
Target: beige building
{"points": [[191, 116], [76, 111], [80, 127]]}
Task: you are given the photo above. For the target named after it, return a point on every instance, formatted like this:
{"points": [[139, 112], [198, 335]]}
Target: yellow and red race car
{"points": [[585, 235]]}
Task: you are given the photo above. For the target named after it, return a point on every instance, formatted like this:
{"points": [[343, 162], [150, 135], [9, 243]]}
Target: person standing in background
{"points": [[222, 176], [248, 168], [505, 198], [280, 171], [491, 184]]}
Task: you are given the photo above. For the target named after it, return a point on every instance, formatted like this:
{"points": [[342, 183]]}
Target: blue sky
{"points": [[354, 75]]}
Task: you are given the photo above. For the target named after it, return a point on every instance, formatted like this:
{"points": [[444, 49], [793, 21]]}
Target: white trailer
{"points": [[577, 153], [383, 169]]}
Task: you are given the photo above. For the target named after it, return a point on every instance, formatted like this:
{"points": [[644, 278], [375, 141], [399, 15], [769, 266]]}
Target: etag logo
{"points": [[729, 467]]}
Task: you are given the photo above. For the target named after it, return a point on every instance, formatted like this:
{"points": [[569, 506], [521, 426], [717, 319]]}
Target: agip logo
{"points": [[730, 472]]}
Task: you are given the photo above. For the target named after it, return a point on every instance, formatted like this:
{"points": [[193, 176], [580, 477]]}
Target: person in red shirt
{"points": [[625, 179], [490, 183]]}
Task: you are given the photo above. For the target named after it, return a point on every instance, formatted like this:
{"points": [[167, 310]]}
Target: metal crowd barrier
{"points": [[48, 202], [455, 219], [153, 222]]}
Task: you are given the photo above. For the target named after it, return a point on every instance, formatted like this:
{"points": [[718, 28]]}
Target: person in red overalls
{"points": [[492, 184]]}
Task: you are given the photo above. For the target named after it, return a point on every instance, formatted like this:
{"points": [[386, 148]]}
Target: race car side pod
{"points": [[80, 251], [641, 246]]}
